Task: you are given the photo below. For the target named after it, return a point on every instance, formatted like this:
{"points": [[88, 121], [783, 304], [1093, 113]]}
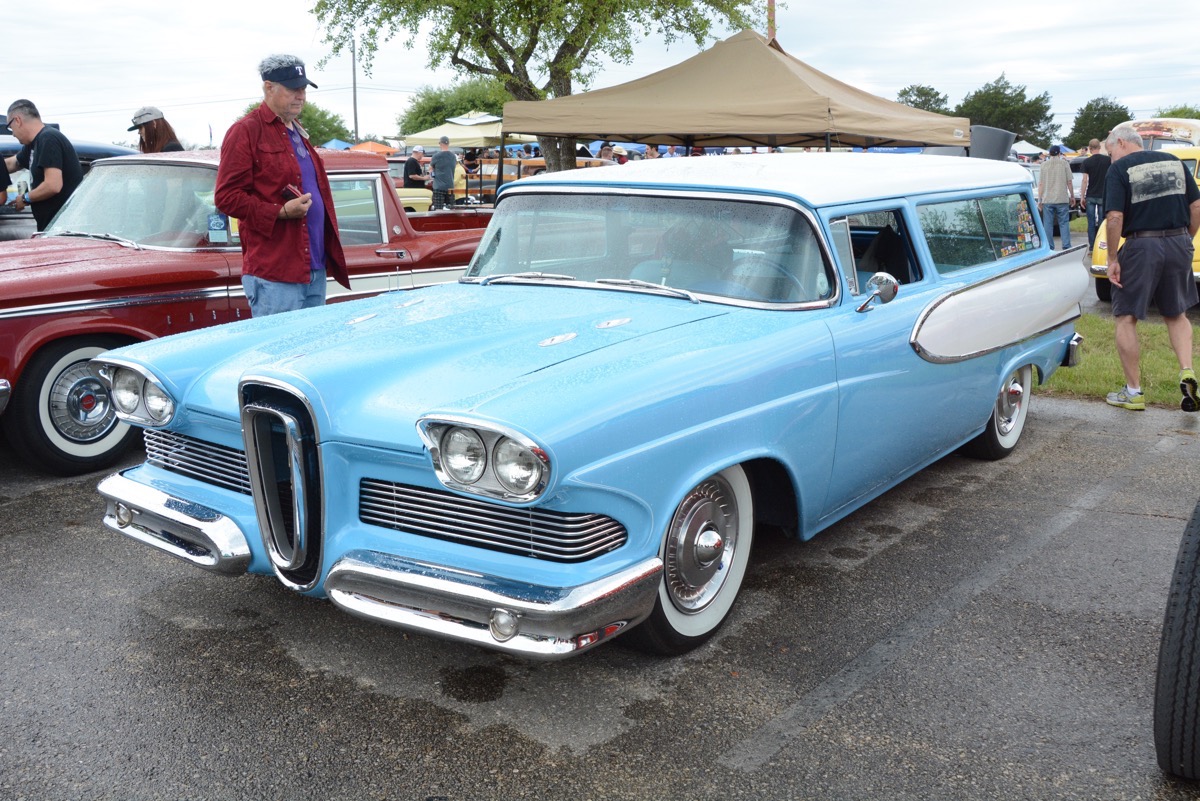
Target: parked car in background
{"points": [[1168, 133], [482, 184], [643, 366], [20, 224], [1190, 156], [139, 251]]}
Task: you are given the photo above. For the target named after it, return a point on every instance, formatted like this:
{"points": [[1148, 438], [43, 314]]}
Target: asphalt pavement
{"points": [[983, 631]]}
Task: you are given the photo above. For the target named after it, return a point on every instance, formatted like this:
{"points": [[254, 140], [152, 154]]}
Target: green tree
{"points": [[1002, 105], [1095, 119], [320, 124], [924, 97], [432, 106], [1180, 112], [534, 48]]}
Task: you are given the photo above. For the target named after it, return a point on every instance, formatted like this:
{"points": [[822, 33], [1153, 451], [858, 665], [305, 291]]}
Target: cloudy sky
{"points": [[88, 64]]}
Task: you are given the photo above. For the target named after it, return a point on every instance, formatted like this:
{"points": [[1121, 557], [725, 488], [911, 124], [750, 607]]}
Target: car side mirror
{"points": [[882, 286]]}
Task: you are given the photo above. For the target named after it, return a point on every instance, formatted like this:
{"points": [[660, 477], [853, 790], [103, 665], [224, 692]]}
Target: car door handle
{"points": [[399, 254]]}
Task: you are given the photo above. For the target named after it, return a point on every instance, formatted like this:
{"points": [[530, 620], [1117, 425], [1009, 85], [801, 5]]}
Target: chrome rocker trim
{"points": [[186, 530], [526, 619]]}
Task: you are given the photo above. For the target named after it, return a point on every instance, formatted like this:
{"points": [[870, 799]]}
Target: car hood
{"points": [[55, 251], [370, 368]]}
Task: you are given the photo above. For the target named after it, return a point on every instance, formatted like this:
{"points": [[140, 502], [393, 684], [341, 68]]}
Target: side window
{"points": [[357, 205], [966, 233], [873, 242]]}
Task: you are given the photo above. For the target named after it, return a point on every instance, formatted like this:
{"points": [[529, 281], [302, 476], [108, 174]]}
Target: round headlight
{"points": [[517, 468], [126, 390], [463, 455], [158, 403]]}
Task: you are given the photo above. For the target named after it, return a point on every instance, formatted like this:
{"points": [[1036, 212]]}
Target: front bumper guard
{"points": [[525, 619], [517, 617], [189, 531]]}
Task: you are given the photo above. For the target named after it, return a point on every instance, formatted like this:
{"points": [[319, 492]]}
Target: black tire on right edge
{"points": [[1103, 290], [1177, 689]]}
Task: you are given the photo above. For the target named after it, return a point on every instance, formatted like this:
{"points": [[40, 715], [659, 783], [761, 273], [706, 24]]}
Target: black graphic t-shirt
{"points": [[1152, 190]]}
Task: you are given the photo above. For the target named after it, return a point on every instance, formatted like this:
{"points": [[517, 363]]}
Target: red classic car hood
{"points": [[55, 251], [60, 269]]}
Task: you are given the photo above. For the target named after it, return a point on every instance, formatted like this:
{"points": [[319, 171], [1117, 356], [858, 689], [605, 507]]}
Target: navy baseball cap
{"points": [[292, 76]]}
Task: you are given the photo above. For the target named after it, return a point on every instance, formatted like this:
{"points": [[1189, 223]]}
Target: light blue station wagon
{"points": [[642, 365]]}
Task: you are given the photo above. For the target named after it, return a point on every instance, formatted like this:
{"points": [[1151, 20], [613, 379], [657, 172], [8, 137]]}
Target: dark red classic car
{"points": [[139, 252]]}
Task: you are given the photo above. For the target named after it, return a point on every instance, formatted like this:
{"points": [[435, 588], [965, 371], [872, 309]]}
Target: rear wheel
{"points": [[1104, 290], [1007, 422], [1177, 689], [705, 554], [60, 418]]}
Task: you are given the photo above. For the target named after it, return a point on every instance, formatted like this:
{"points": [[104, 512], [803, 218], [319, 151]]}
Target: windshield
{"points": [[162, 205], [720, 248]]}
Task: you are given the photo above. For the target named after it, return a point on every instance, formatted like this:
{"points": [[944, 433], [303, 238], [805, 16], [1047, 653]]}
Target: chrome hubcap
{"points": [[1008, 405], [79, 404], [700, 545]]}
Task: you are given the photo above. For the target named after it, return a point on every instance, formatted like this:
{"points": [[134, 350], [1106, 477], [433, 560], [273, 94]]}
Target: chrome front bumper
{"points": [[520, 618], [196, 534], [517, 617]]}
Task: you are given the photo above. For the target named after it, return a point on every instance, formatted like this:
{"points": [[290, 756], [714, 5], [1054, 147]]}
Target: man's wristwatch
{"points": [[27, 198]]}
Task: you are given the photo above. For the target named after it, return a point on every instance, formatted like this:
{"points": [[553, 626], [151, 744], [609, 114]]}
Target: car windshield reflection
{"points": [[722, 249], [157, 205]]}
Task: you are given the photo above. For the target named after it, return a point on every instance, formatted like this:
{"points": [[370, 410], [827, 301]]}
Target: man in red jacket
{"points": [[272, 181]]}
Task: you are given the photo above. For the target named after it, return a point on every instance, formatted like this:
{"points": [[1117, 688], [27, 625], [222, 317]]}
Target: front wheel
{"points": [[1177, 688], [1007, 422], [1103, 290], [705, 554], [60, 418]]}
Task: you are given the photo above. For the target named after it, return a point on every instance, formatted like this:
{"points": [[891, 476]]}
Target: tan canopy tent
{"points": [[474, 129], [742, 91]]}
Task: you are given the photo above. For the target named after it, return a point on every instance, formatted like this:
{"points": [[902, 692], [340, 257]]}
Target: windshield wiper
{"points": [[129, 243], [636, 284], [492, 279]]}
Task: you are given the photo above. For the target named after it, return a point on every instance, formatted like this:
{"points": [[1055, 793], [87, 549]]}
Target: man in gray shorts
{"points": [[1151, 200]]}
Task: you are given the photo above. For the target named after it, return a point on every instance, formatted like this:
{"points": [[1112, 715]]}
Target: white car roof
{"points": [[820, 179]]}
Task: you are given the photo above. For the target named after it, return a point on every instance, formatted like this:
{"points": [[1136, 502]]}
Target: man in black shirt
{"points": [[50, 159], [1151, 200], [414, 172], [1095, 169]]}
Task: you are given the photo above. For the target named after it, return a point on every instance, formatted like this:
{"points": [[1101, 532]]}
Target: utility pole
{"points": [[354, 86]]}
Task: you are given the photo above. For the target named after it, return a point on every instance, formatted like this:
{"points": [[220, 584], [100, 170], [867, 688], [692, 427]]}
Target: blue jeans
{"points": [[1095, 215], [272, 297], [1062, 211]]}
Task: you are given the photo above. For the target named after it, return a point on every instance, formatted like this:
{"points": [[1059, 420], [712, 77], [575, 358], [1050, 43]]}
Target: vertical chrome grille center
{"points": [[285, 480]]}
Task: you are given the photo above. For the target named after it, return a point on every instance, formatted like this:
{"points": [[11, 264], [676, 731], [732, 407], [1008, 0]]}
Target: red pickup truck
{"points": [[139, 252]]}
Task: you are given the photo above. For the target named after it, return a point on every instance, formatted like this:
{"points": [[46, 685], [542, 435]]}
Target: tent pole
{"points": [[499, 165], [828, 144]]}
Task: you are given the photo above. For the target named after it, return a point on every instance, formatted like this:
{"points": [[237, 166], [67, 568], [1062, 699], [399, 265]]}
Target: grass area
{"points": [[1099, 370]]}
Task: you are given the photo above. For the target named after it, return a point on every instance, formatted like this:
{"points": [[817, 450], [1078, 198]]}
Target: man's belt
{"points": [[1155, 234]]}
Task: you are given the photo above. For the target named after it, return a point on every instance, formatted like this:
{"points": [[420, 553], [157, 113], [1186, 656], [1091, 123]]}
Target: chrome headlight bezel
{"points": [[151, 404], [498, 442]]}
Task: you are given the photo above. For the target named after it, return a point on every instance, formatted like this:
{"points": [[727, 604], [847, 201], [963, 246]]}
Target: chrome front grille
{"points": [[556, 536], [204, 461]]}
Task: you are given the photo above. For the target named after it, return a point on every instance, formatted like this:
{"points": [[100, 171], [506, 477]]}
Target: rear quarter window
{"points": [[962, 234]]}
